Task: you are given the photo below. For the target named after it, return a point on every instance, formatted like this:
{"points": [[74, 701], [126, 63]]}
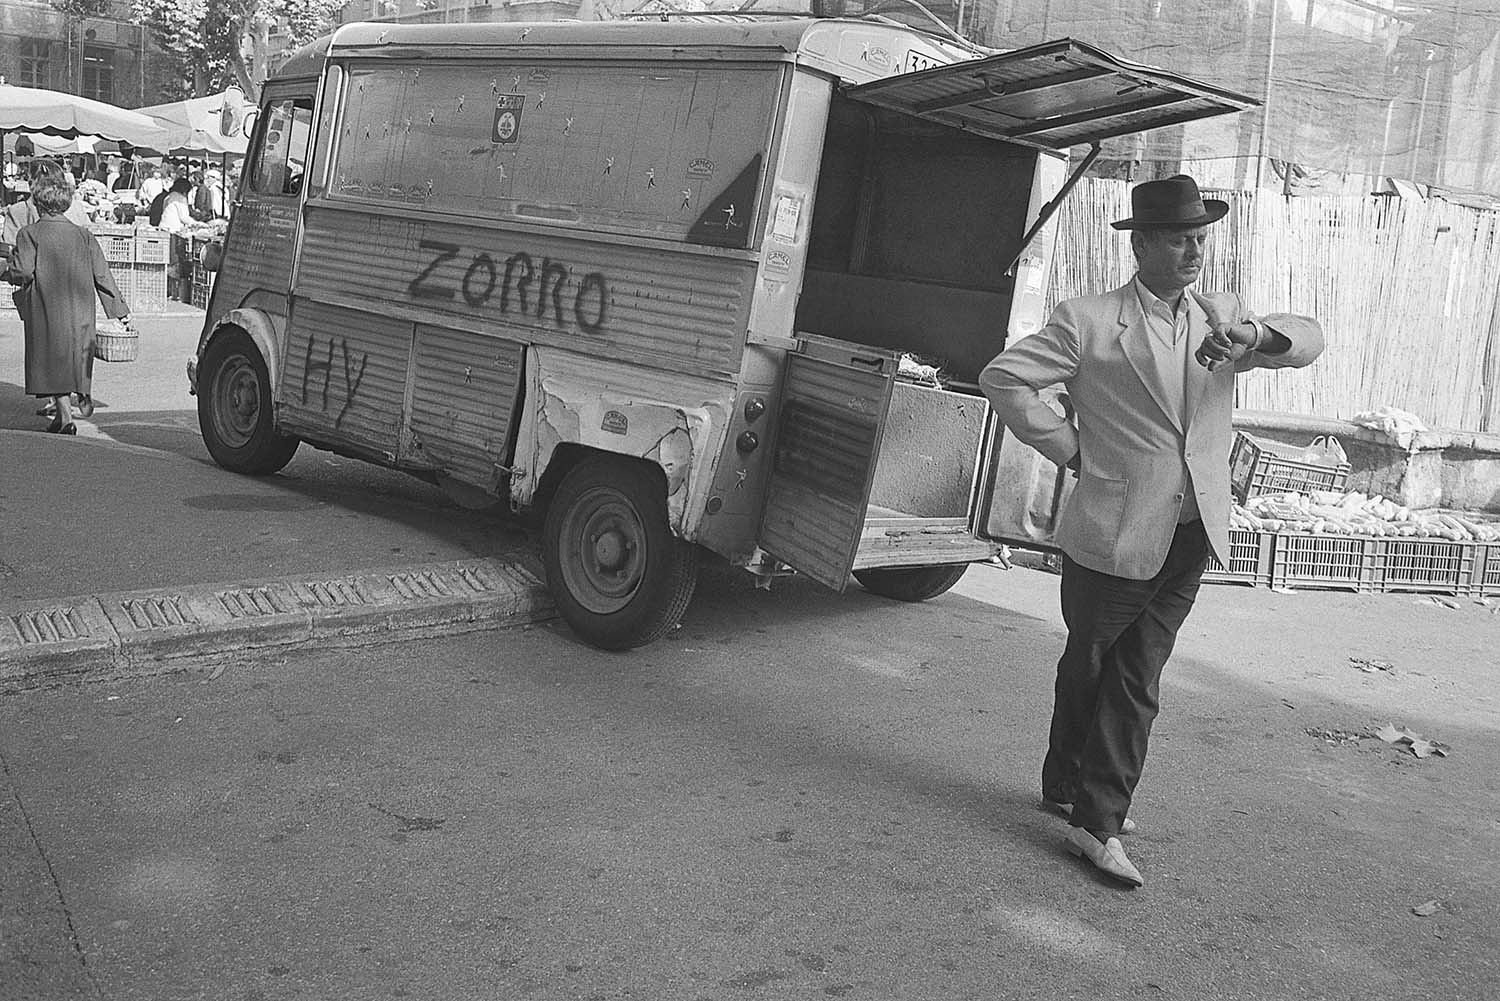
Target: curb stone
{"points": [[129, 633]]}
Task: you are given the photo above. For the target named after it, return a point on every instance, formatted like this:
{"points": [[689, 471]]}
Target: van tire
{"points": [[235, 412], [620, 578], [911, 583]]}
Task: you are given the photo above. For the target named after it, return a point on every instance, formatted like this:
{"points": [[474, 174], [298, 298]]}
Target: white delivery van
{"points": [[657, 279]]}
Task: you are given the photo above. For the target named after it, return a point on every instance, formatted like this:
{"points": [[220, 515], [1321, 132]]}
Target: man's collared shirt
{"points": [[1171, 353]]}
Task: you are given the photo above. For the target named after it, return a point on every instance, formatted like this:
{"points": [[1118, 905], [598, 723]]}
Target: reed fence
{"points": [[1408, 293]]}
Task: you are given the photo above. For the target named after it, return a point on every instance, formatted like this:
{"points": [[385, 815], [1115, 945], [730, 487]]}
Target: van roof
{"points": [[878, 49]]}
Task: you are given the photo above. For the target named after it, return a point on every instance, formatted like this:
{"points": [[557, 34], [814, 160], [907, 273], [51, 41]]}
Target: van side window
{"points": [[281, 158]]}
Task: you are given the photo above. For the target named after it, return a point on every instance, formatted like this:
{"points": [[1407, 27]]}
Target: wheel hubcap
{"points": [[237, 402], [605, 556]]}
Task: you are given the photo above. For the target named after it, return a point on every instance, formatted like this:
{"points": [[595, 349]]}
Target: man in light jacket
{"points": [[1150, 369]]}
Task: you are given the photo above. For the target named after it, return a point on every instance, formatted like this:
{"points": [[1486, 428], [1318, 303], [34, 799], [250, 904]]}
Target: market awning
{"points": [[194, 126], [53, 113]]}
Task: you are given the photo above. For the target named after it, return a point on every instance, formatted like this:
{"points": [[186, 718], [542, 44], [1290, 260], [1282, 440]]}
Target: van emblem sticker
{"points": [[615, 422], [508, 108], [701, 167]]}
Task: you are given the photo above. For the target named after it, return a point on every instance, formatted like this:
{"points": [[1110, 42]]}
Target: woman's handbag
{"points": [[22, 299]]}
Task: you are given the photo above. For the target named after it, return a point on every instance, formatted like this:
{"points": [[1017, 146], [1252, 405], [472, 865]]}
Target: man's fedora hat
{"points": [[1173, 201]]}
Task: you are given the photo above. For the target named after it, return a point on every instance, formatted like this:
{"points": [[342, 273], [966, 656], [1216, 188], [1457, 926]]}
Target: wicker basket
{"points": [[111, 346]]}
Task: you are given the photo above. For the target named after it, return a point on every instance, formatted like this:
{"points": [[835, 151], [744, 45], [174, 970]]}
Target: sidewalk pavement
{"points": [[119, 559], [126, 547]]}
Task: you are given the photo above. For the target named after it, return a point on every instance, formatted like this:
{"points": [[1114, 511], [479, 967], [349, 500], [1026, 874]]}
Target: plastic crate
{"points": [[1258, 467], [1369, 563], [1324, 561], [1429, 565], [153, 248], [144, 286], [1486, 580], [118, 248], [203, 288], [1249, 559]]}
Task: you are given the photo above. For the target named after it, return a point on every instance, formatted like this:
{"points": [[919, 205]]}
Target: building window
{"points": [[98, 73], [33, 62]]}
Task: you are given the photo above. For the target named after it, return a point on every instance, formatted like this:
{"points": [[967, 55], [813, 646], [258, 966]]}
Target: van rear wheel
{"points": [[911, 583], [235, 411], [620, 578]]}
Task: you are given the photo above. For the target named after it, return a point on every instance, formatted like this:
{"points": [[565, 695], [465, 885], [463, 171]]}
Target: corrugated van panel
{"points": [[463, 401], [824, 458], [345, 375], [682, 311]]}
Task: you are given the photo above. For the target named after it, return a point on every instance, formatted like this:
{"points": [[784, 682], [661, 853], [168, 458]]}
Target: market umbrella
{"points": [[53, 113], [194, 127]]}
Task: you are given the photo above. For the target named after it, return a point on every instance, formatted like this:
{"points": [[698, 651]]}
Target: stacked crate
{"points": [[203, 279], [1363, 563], [148, 276]]}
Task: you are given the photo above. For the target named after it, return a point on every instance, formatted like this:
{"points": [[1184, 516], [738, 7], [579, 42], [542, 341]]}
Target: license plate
{"points": [[915, 61]]}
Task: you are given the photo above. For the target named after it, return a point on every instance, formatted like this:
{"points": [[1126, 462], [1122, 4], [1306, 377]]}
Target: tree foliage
{"points": [[76, 10], [211, 41]]}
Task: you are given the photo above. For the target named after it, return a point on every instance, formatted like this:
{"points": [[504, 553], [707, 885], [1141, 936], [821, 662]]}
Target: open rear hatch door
{"points": [[1051, 96]]}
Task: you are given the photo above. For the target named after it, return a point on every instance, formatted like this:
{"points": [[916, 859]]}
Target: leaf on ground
{"points": [[1427, 748], [1445, 602], [1371, 666], [1428, 909], [1414, 742]]}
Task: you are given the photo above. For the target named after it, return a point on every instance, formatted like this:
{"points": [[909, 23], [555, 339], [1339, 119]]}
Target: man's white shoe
{"points": [[1109, 857], [1127, 826]]}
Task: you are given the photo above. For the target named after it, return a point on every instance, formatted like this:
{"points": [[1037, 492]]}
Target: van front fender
{"points": [[264, 329]]}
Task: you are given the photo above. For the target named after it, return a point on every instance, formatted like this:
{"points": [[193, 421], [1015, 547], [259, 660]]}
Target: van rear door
{"points": [[834, 400], [1049, 96]]}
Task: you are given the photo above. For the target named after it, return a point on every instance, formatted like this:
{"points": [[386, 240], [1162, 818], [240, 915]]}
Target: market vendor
{"points": [[176, 217]]}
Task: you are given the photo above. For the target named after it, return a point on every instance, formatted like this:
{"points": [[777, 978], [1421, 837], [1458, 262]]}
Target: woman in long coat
{"points": [[62, 269]]}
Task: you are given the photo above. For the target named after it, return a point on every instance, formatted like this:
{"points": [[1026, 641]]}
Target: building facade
{"points": [[107, 58]]}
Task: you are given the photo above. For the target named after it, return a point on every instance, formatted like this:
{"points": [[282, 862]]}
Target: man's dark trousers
{"points": [[1120, 634]]}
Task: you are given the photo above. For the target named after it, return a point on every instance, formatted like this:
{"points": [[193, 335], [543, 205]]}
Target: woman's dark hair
{"points": [[52, 191], [181, 186]]}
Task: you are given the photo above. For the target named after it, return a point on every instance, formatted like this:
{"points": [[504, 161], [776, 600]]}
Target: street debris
{"points": [[1428, 909], [1335, 737], [405, 824], [1418, 745], [1372, 666]]}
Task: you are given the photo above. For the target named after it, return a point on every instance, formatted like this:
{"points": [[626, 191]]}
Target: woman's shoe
{"points": [[68, 428], [50, 410], [85, 405]]}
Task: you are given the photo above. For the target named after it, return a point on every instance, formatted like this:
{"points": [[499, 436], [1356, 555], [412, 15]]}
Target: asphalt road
{"points": [[798, 794]]}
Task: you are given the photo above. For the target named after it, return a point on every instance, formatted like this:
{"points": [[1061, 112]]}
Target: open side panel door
{"points": [[833, 405], [1020, 491], [1051, 96]]}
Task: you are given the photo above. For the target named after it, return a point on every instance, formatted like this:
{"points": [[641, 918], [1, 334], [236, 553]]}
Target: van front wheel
{"points": [[911, 583], [621, 579], [234, 408]]}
